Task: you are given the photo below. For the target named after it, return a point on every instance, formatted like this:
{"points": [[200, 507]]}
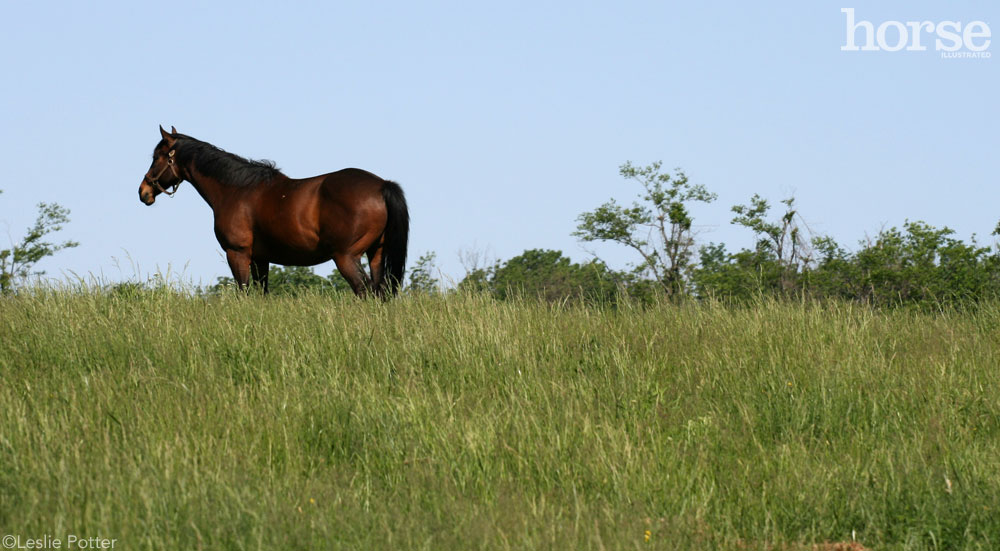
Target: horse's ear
{"points": [[170, 139], [173, 131]]}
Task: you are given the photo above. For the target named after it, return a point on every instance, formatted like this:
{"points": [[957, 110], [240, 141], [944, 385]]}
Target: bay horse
{"points": [[264, 217]]}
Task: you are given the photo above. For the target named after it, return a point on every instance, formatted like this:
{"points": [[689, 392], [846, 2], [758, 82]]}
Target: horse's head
{"points": [[163, 172]]}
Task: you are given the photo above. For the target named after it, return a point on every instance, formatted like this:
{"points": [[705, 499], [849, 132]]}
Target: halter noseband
{"points": [[155, 181]]}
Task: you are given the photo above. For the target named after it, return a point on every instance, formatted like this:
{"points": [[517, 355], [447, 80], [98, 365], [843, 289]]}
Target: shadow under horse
{"points": [[264, 217]]}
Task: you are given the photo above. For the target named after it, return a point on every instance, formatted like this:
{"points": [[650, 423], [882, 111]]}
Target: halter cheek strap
{"points": [[155, 181]]}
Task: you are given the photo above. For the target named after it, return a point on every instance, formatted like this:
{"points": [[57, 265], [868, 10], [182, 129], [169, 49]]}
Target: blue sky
{"points": [[502, 122]]}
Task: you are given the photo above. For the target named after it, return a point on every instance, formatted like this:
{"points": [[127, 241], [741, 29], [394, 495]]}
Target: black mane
{"points": [[222, 165]]}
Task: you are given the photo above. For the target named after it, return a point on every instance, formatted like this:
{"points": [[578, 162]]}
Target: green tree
{"points": [[657, 226], [478, 280], [422, 275], [777, 265], [781, 248], [924, 265], [917, 266], [293, 281], [548, 275], [17, 262], [740, 276], [835, 273]]}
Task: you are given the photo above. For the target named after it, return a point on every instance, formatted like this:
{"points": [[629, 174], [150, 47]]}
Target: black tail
{"points": [[397, 231]]}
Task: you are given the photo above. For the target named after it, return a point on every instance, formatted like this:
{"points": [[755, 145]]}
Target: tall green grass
{"points": [[315, 422]]}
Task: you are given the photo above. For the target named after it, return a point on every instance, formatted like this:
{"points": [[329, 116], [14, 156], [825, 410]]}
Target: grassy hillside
{"points": [[172, 422]]}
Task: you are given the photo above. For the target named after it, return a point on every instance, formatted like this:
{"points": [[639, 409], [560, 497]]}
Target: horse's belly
{"points": [[303, 259], [300, 251]]}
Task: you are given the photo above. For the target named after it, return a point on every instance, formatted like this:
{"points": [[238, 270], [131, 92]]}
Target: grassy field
{"points": [[172, 422]]}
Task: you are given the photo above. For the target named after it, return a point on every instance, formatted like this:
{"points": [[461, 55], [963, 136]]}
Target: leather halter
{"points": [[155, 181]]}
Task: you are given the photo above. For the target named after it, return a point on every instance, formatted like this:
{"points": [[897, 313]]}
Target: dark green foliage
{"points": [[548, 275], [923, 265], [477, 280], [657, 226], [741, 276], [919, 265], [292, 281], [296, 280], [780, 246], [771, 268], [423, 277]]}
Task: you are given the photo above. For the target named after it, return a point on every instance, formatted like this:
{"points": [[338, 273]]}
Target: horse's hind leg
{"points": [[378, 271], [350, 268]]}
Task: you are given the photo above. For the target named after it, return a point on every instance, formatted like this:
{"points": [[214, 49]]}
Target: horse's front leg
{"points": [[239, 263], [258, 273]]}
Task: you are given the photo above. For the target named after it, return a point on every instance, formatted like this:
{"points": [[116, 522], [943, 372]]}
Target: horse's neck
{"points": [[210, 189]]}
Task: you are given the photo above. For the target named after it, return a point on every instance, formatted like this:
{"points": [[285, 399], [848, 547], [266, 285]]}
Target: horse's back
{"points": [[354, 173], [351, 178]]}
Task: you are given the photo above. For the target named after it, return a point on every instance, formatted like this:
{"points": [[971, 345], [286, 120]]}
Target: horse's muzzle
{"points": [[146, 193]]}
